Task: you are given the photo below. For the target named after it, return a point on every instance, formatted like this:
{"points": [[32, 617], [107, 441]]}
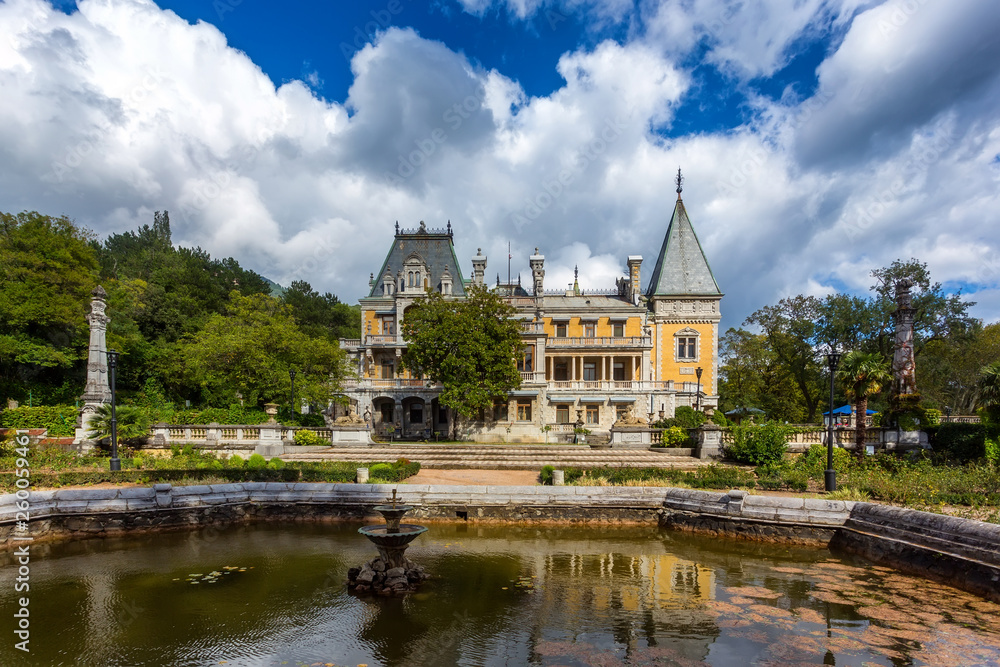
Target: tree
{"points": [[47, 271], [752, 376], [989, 390], [948, 372], [864, 374], [131, 424], [470, 346], [251, 347], [322, 315]]}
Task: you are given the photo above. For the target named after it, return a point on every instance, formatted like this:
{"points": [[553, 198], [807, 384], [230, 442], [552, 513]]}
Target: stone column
{"points": [[97, 391], [903, 368]]}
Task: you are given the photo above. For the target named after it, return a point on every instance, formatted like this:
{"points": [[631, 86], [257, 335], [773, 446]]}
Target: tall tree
{"points": [[469, 346], [948, 372], [864, 374], [322, 315], [251, 347], [989, 390], [752, 376], [47, 271]]}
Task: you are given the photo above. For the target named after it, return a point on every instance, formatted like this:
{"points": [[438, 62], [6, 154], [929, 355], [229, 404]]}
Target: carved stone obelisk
{"points": [[97, 391], [903, 363]]}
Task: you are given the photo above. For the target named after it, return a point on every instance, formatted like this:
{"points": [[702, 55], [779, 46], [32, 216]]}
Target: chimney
{"points": [[634, 261], [478, 267], [537, 263]]}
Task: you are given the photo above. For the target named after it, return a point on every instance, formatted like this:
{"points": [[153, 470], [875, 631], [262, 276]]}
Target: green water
{"points": [[502, 595]]}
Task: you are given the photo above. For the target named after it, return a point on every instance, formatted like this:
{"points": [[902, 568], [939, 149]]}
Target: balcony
{"points": [[388, 383], [532, 327], [601, 342], [382, 339], [613, 385], [520, 301], [532, 376]]}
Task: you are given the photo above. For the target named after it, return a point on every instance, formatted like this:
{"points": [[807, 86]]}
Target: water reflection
{"points": [[272, 595]]}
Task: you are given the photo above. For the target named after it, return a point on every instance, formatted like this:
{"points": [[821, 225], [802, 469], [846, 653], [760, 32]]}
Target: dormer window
{"points": [[414, 270]]}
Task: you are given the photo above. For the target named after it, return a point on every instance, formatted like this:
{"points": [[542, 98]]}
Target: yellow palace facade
{"points": [[591, 356]]}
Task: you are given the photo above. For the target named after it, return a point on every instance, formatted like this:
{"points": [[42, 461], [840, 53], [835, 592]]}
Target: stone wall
{"points": [[960, 552]]}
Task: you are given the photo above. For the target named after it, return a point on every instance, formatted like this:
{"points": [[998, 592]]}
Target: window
{"points": [[686, 347], [590, 371], [389, 326], [561, 371], [593, 414], [387, 370], [416, 414], [525, 362], [386, 413], [500, 411], [618, 329], [524, 411], [588, 330], [561, 330], [619, 371], [562, 414]]}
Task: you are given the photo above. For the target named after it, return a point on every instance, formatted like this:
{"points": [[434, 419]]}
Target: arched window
{"points": [[416, 279]]}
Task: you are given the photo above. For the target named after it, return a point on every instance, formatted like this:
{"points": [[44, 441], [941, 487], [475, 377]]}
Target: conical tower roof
{"points": [[681, 268]]}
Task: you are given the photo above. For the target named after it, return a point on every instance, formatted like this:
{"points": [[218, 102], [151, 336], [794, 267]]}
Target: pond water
{"points": [[504, 595]]}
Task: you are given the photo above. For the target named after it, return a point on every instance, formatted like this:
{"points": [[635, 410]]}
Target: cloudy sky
{"points": [[819, 138]]}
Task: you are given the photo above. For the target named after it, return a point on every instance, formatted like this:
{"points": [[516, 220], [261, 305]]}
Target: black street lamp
{"points": [[947, 413], [832, 361], [697, 399], [116, 463], [291, 375]]}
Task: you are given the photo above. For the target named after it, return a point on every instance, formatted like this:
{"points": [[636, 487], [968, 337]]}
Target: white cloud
{"points": [[121, 108]]}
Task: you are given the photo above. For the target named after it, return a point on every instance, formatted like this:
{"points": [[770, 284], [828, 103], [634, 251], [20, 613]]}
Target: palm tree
{"points": [[989, 389], [132, 423], [864, 374]]}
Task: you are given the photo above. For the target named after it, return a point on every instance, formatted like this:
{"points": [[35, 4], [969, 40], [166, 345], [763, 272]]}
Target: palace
{"points": [[591, 356]]}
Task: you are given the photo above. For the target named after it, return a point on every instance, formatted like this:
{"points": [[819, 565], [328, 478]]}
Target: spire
{"points": [[576, 279], [449, 228], [681, 267], [397, 228], [680, 183]]}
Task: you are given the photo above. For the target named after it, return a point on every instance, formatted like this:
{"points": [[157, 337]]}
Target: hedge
{"points": [[293, 472], [708, 477], [962, 442], [60, 420]]}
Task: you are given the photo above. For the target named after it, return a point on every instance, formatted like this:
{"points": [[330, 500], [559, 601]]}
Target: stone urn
{"points": [[271, 410]]}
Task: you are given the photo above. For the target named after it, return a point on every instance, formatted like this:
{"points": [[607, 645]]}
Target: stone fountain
{"points": [[391, 573]]}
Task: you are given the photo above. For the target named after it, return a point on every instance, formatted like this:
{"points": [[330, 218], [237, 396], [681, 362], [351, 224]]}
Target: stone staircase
{"points": [[501, 457]]}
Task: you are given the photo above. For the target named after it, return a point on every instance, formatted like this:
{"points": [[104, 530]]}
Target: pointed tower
{"points": [[684, 301]]}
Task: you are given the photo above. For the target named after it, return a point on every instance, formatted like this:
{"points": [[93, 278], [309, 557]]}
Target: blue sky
{"points": [[819, 138]]}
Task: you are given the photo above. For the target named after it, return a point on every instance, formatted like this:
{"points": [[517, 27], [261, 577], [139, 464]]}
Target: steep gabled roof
{"points": [[434, 248], [681, 268]]}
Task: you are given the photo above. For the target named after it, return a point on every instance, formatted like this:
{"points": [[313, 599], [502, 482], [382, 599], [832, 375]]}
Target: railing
{"points": [[515, 301], [961, 419], [532, 376], [229, 434], [349, 342], [533, 327], [614, 385], [388, 383], [381, 339], [601, 341]]}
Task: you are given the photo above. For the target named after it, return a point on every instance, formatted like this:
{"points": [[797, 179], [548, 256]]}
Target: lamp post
{"points": [[697, 398], [832, 361], [947, 413], [116, 463], [291, 376]]}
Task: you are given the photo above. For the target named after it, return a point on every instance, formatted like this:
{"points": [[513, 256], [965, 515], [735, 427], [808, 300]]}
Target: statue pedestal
{"points": [[631, 437], [708, 439], [350, 435], [270, 441]]}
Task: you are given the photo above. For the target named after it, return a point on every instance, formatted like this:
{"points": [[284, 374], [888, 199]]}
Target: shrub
{"points": [[545, 475], [60, 420], [275, 464], [234, 461], [759, 444], [813, 461], [380, 470], [675, 436], [306, 438], [961, 442], [256, 462], [719, 419]]}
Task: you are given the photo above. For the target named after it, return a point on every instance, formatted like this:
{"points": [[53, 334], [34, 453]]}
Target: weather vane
{"points": [[679, 180]]}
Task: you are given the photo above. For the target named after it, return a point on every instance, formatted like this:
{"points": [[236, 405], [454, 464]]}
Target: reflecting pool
{"points": [[273, 594]]}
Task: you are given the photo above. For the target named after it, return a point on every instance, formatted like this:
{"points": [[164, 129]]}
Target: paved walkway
{"points": [[472, 477], [501, 457]]}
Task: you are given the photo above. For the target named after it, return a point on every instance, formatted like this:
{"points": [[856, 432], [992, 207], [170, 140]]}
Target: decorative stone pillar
{"points": [[97, 391], [708, 439], [903, 368]]}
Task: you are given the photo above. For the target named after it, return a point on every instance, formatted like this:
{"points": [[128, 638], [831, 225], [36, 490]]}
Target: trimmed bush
{"points": [[60, 420], [759, 444], [306, 438], [256, 462]]}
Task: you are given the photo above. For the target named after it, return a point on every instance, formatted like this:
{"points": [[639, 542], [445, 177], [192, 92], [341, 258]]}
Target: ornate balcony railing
{"points": [[601, 341], [613, 385], [533, 327]]}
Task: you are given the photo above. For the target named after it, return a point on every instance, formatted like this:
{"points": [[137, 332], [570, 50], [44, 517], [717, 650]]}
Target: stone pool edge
{"points": [[961, 552]]}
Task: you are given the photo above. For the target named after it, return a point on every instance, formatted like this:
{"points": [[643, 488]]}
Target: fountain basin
{"points": [[381, 536], [392, 515]]}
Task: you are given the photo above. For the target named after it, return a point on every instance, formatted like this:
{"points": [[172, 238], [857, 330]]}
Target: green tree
{"points": [[322, 315], [863, 374], [989, 390], [132, 424], [948, 372], [752, 376], [47, 271], [470, 346], [251, 347]]}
